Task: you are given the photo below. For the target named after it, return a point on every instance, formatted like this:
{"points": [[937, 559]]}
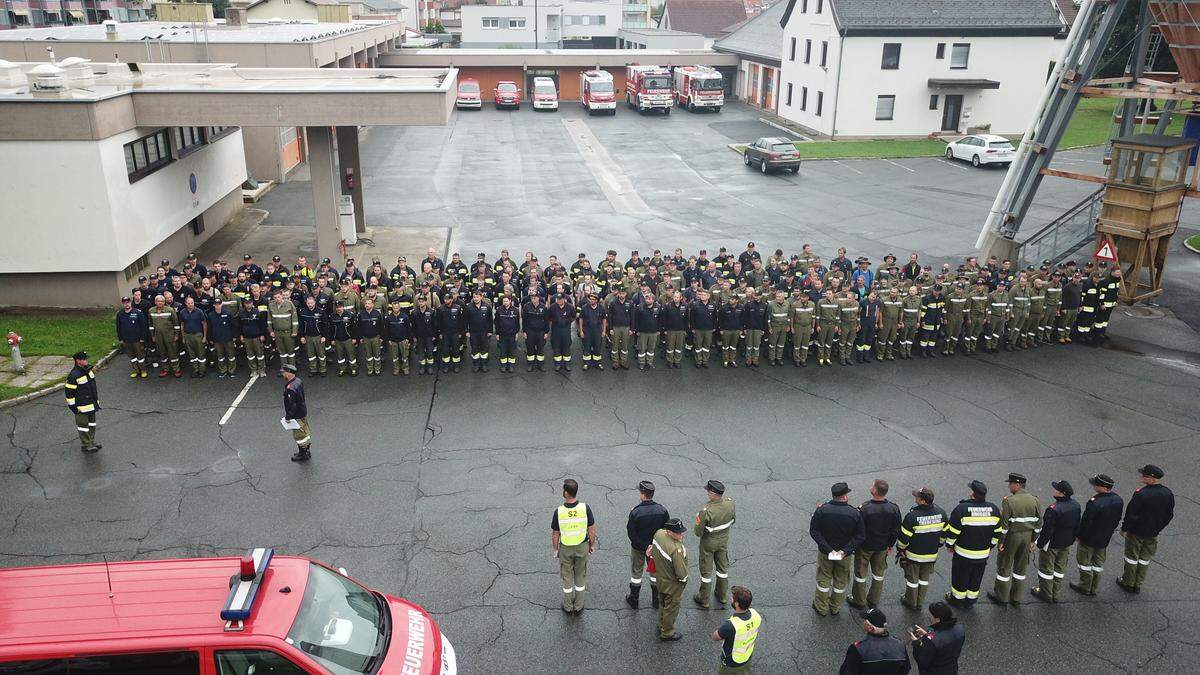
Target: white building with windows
{"points": [[591, 24], [861, 68]]}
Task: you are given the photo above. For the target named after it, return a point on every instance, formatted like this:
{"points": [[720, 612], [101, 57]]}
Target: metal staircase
{"points": [[1064, 235]]}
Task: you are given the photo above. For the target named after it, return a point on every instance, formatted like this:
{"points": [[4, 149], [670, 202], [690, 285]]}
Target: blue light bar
{"points": [[245, 590]]}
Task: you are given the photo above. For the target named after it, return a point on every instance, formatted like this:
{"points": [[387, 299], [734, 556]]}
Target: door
{"points": [[951, 111]]}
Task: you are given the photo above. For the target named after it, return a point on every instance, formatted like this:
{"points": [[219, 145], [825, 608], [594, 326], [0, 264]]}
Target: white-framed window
{"points": [[885, 106], [960, 56], [491, 22], [516, 23]]}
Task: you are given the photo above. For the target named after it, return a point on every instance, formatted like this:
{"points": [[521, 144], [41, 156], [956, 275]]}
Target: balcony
{"points": [[631, 8]]}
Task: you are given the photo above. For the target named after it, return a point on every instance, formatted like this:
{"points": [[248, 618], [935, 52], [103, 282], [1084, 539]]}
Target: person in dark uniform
{"points": [[645, 519], [535, 326], [593, 324], [1060, 527], [881, 523], [620, 320], [972, 532], [1100, 518], [425, 331], [132, 328], [295, 410], [647, 319], [837, 528], [508, 324], [1150, 510], [878, 653], [932, 308], [936, 649], [223, 332], [562, 317], [479, 331], [869, 323], [83, 400], [451, 326]]}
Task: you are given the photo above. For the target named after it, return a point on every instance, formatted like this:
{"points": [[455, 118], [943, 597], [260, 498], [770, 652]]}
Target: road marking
{"points": [[841, 163], [899, 165], [617, 187], [953, 164], [233, 406]]}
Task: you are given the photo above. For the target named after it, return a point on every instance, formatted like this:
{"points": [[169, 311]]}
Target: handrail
{"points": [[1087, 201]]}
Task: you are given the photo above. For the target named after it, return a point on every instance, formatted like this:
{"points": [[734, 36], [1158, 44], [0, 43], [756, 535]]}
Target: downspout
{"points": [[837, 92]]}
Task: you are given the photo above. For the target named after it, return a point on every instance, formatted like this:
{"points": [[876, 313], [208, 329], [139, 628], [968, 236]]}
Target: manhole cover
{"points": [[1142, 312]]}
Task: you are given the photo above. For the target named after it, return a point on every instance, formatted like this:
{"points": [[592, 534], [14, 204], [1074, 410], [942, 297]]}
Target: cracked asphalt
{"points": [[440, 489]]}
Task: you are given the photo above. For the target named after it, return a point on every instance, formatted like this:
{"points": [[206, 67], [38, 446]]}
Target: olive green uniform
{"points": [[671, 568], [803, 313], [911, 309], [957, 308], [997, 317], [1053, 291], [891, 308], [978, 308], [1033, 324], [778, 319], [828, 313], [1020, 521], [848, 310], [1019, 313], [573, 553], [164, 327], [713, 523], [285, 325]]}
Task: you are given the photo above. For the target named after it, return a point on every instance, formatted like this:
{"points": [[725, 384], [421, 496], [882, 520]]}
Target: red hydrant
{"points": [[14, 343]]}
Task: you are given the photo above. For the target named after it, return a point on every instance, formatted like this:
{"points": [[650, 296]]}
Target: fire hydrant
{"points": [[14, 343]]}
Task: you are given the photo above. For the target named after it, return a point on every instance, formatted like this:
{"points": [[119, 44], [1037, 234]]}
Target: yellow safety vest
{"points": [[572, 524], [746, 631]]}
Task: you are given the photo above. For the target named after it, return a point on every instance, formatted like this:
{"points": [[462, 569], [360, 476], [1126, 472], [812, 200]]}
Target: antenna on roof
{"points": [[107, 576]]}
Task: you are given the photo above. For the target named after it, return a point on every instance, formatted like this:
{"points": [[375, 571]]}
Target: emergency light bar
{"points": [[244, 586]]}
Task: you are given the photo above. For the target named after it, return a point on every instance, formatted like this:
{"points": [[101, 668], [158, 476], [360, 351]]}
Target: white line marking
{"points": [[953, 164], [233, 406], [899, 165], [840, 163]]}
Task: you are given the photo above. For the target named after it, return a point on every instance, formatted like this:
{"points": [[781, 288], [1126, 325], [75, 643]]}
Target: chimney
{"points": [[235, 16], [110, 29]]}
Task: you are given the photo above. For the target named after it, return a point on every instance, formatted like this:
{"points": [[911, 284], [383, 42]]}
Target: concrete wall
{"points": [[183, 11], [475, 35], [283, 9]]}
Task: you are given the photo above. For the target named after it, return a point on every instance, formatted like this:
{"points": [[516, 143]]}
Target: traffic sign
{"points": [[1106, 252]]}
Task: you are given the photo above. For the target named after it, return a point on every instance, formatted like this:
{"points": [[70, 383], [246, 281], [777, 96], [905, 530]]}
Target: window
{"points": [[808, 51], [960, 55], [941, 50], [154, 663], [516, 23], [491, 23], [251, 661], [215, 133], [789, 93], [147, 154], [885, 107], [933, 102], [804, 98], [824, 53], [804, 6], [793, 55], [137, 266], [820, 102], [819, 4], [187, 140], [340, 624], [891, 56]]}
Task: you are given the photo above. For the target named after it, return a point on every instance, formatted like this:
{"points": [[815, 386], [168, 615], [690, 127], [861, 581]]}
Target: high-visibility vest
{"points": [[572, 524], [745, 632]]}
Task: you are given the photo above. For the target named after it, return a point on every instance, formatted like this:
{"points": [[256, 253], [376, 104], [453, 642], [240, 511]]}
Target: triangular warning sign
{"points": [[1105, 252]]}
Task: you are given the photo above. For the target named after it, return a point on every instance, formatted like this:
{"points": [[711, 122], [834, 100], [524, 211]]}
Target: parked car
{"points": [[982, 149], [468, 95], [507, 94], [545, 95], [772, 152]]}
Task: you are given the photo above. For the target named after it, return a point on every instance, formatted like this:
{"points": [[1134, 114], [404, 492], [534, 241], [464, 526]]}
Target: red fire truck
{"points": [[648, 88], [698, 88], [596, 92]]}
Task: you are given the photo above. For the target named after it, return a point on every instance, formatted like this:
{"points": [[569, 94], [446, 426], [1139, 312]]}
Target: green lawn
{"points": [[7, 392], [48, 333], [1194, 241]]}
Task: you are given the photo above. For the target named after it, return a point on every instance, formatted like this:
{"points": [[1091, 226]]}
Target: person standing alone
{"points": [[295, 411], [83, 400], [573, 538]]}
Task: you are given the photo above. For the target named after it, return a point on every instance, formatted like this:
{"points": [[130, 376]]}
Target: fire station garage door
{"points": [[551, 73]]}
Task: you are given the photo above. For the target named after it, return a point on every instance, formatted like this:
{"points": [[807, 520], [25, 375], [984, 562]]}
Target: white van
{"points": [[545, 95]]}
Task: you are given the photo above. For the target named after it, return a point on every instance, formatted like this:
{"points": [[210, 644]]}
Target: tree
{"points": [[434, 26]]}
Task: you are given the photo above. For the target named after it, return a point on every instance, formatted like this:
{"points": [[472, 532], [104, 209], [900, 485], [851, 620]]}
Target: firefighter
{"points": [[620, 320], [343, 332], [593, 324], [917, 547], [1150, 510], [1020, 523], [479, 330], [223, 332], [313, 326], [971, 532], [881, 523], [738, 634], [132, 328], [713, 522], [451, 326], [933, 308], [837, 528], [83, 400], [251, 335], [827, 326], [164, 328], [573, 539], [284, 325], [1109, 292], [729, 322], [562, 316], [1060, 527], [671, 565], [1100, 518], [910, 322], [644, 520], [425, 332], [535, 326], [507, 325], [370, 332], [647, 318], [870, 322]]}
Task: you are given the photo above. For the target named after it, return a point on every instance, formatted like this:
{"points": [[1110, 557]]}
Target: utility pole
{"points": [[536, 43]]}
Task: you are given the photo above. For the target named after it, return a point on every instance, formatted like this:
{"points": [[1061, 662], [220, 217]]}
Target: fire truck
{"points": [[648, 88], [699, 87], [596, 92]]}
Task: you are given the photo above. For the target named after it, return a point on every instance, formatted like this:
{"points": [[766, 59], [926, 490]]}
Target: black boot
{"points": [[654, 596], [302, 455], [632, 598]]}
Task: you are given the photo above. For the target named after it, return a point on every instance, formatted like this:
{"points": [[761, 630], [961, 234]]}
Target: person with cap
{"points": [[918, 545], [647, 320], [645, 519], [284, 326], [593, 324], [164, 328], [878, 653], [535, 325], [937, 649], [132, 329], [83, 400], [424, 323], [749, 255], [313, 328], [671, 568], [253, 271], [1101, 516], [1089, 306], [619, 307], [573, 538], [1020, 523], [971, 532], [561, 315], [1150, 510], [343, 333], [933, 307], [712, 527], [251, 336], [837, 528], [222, 334], [998, 315], [295, 412], [1060, 527], [881, 523], [738, 633], [193, 321], [1109, 292], [370, 334]]}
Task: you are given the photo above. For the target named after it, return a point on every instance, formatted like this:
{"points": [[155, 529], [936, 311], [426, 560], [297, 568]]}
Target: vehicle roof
{"points": [[990, 138], [70, 607], [776, 139], [544, 79], [465, 80], [597, 74]]}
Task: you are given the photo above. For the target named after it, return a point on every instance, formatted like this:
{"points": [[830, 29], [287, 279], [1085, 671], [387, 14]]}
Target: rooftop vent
{"points": [[11, 75], [48, 79], [110, 30]]}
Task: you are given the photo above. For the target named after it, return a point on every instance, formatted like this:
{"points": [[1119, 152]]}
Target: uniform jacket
{"points": [[876, 655], [222, 325], [132, 325], [250, 323], [1020, 512], [562, 319], [620, 313], [715, 519], [674, 317], [82, 395], [921, 532], [973, 529], [451, 319], [754, 315], [702, 316], [294, 407], [670, 560], [533, 319], [1150, 510], [508, 320], [479, 318], [646, 318], [1101, 515], [342, 326], [1060, 524], [937, 652], [837, 526], [397, 327], [644, 520], [592, 317], [370, 324], [881, 521], [193, 320], [729, 317], [312, 321], [424, 322]]}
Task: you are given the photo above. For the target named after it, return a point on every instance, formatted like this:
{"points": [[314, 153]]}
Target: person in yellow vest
{"points": [[573, 538], [738, 633]]}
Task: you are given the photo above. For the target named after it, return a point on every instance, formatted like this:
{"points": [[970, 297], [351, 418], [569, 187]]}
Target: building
{"points": [[758, 42], [579, 24], [659, 38], [41, 13], [295, 10], [112, 167], [271, 152], [710, 18], [914, 67]]}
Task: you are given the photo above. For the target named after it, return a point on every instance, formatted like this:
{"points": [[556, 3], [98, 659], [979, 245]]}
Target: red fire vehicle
{"points": [[699, 88], [596, 92], [648, 88]]}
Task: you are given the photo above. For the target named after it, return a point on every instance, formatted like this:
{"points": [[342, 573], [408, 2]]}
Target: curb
{"points": [[52, 388], [1189, 247]]}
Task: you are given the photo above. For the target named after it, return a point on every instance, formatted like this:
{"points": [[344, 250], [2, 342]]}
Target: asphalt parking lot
{"points": [[440, 489]]}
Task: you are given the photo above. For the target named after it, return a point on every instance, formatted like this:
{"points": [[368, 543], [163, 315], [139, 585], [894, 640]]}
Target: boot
{"points": [[302, 455], [632, 598], [654, 596]]}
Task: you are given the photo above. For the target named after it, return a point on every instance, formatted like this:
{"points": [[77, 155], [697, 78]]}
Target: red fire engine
{"points": [[648, 88], [699, 87]]}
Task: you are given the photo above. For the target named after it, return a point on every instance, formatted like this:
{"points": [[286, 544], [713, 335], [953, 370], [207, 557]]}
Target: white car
{"points": [[982, 149]]}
